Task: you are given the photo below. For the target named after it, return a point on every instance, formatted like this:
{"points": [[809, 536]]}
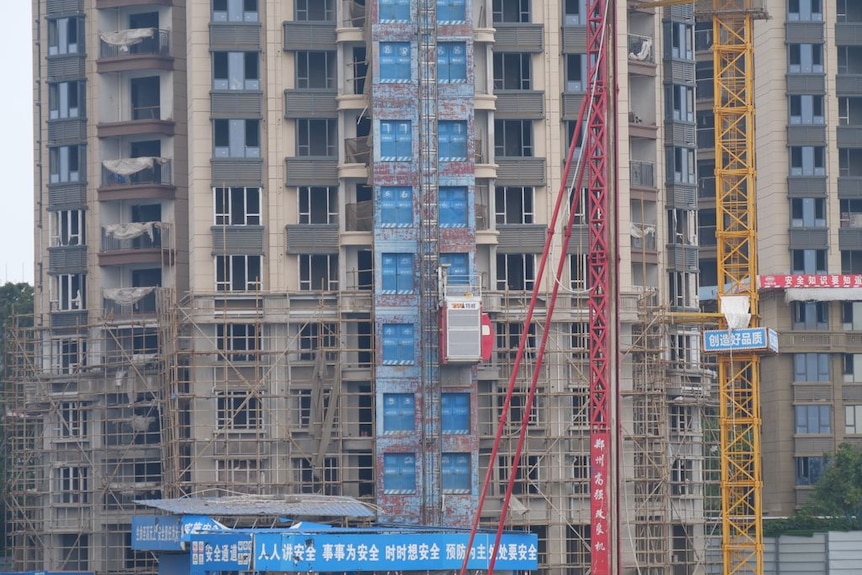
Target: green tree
{"points": [[16, 302], [839, 492]]}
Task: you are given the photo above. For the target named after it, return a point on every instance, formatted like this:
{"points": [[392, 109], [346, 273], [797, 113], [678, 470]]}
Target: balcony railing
{"points": [[643, 236], [136, 171], [146, 112], [354, 14], [642, 174], [641, 48], [135, 236], [134, 42]]}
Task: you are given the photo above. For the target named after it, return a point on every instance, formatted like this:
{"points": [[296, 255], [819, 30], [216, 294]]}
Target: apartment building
{"points": [[249, 213]]}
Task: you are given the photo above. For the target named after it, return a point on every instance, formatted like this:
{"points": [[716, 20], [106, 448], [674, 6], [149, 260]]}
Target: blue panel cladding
{"points": [[397, 99]]}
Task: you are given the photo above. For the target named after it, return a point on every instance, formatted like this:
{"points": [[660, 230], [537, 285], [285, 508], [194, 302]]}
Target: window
{"points": [[396, 206], [811, 315], [310, 479], [853, 419], [682, 477], [851, 261], [682, 418], [396, 140], [852, 368], [574, 12], [70, 355], [681, 40], [235, 11], [579, 278], [394, 10], [238, 341], [317, 138], [237, 206], [576, 72], [804, 11], [806, 109], [236, 138], [238, 273], [397, 273], [63, 35], [579, 338], [300, 408], [455, 472], [72, 485], [512, 71], [809, 261], [518, 402], [65, 99], [805, 58], [509, 339], [682, 165], [514, 205], [811, 367], [809, 469], [453, 206], [72, 417], [451, 61], [314, 337], [511, 11], [813, 419], [239, 411], [516, 272], [399, 412], [399, 473], [848, 59], [315, 10], [318, 272], [682, 289], [455, 413], [527, 478], [315, 70], [238, 471], [65, 164], [682, 99], [318, 205], [236, 71], [451, 11], [513, 138], [851, 315], [457, 267], [395, 60], [807, 161], [808, 212], [398, 344], [67, 228], [70, 292], [452, 140], [849, 110]]}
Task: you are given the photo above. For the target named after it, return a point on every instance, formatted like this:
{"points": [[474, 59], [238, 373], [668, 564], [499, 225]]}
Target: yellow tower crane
{"points": [[736, 236]]}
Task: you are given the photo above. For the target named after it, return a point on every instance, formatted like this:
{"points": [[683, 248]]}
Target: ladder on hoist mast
{"points": [[429, 255]]}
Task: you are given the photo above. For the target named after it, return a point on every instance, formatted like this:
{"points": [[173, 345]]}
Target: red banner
{"points": [[809, 281], [600, 496]]}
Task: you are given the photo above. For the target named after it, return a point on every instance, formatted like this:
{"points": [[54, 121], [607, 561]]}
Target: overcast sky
{"points": [[16, 145]]}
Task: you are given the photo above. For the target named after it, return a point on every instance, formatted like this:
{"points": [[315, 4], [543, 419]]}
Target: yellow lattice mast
{"points": [[736, 237]]}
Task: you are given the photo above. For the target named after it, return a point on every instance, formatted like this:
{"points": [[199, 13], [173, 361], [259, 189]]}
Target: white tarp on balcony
{"points": [[127, 296], [126, 38], [131, 231], [129, 166]]}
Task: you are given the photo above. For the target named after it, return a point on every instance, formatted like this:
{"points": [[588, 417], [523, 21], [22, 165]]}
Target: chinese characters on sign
{"points": [[221, 552], [809, 281], [600, 500], [748, 339]]}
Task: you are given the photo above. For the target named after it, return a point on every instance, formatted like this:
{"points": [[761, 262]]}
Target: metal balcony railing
{"points": [[357, 150], [159, 173], [150, 235], [642, 173]]}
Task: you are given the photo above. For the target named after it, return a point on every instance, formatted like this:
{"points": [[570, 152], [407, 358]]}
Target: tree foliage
{"points": [[835, 504], [16, 305]]}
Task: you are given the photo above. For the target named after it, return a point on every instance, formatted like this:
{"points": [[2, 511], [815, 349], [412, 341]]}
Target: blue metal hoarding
{"points": [[221, 551]]}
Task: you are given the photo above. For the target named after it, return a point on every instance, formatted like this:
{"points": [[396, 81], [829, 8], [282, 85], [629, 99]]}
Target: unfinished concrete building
{"points": [[248, 213]]}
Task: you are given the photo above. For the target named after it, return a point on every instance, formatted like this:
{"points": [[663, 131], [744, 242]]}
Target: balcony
{"points": [[484, 168], [642, 174], [134, 49], [360, 217], [643, 236], [104, 4], [130, 303], [145, 120], [136, 178], [641, 54], [136, 243]]}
